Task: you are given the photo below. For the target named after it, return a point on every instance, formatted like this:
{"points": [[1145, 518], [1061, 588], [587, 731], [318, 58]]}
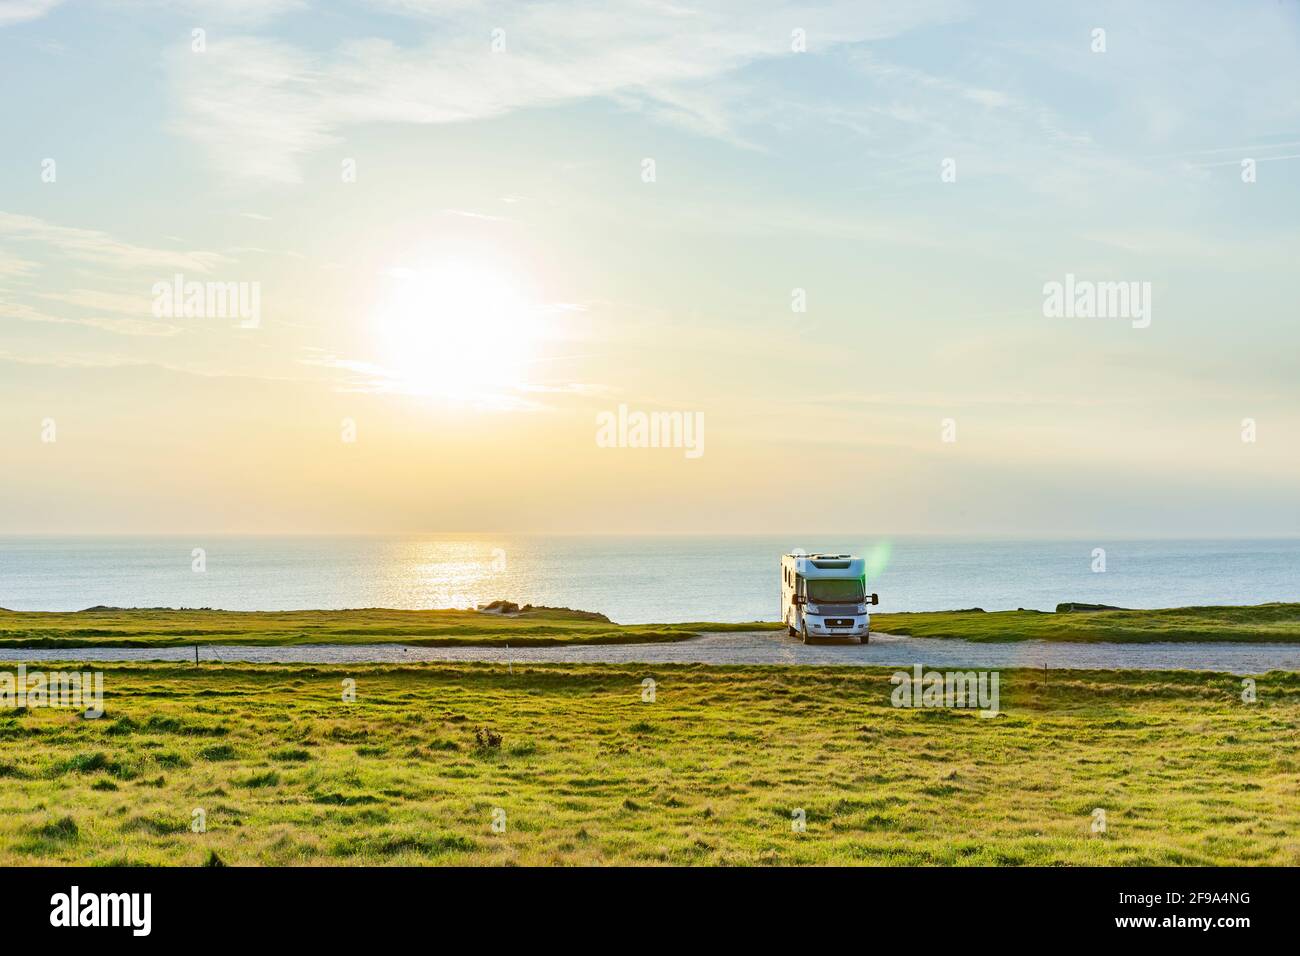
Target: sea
{"points": [[641, 579]]}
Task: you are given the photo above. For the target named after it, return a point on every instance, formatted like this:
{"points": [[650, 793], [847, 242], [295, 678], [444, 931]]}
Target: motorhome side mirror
{"points": [[875, 598], [800, 599]]}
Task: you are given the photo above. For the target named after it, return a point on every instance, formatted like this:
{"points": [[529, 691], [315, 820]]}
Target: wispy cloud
{"points": [[259, 106], [239, 12], [11, 265], [58, 360], [20, 11], [149, 327], [91, 245], [470, 214], [139, 306]]}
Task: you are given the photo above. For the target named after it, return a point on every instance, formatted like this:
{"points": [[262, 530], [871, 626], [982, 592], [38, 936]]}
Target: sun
{"points": [[461, 330]]}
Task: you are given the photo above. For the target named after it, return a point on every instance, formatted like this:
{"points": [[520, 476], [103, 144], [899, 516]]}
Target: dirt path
{"points": [[752, 647]]}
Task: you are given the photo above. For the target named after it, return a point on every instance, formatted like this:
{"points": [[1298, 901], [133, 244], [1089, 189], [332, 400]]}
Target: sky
{"points": [[465, 234]]}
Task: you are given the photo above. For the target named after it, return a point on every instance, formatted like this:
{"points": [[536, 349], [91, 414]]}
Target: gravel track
{"points": [[748, 647]]}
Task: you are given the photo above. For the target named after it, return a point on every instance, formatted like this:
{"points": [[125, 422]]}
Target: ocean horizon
{"points": [[631, 578]]}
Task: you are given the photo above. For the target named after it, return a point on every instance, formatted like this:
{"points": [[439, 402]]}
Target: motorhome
{"points": [[825, 595]]}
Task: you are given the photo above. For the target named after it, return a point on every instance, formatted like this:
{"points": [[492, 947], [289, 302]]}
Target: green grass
{"points": [[162, 627], [587, 772], [552, 627], [1277, 623]]}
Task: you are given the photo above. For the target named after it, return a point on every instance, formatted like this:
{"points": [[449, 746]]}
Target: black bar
{"points": [[334, 905]]}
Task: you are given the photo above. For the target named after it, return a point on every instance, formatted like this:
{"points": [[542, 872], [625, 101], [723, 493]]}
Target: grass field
{"points": [[115, 627], [1257, 623], [710, 772], [544, 627]]}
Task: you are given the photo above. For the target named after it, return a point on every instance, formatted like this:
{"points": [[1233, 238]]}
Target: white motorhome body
{"points": [[825, 595]]}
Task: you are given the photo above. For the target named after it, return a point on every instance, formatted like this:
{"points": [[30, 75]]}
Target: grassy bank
{"points": [[162, 627], [115, 627], [587, 772], [1257, 623]]}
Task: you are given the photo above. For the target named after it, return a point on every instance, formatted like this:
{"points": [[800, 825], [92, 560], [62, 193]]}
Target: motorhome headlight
{"points": [[814, 609], [862, 609]]}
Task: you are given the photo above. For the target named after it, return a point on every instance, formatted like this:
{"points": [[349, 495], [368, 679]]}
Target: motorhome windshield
{"points": [[834, 590]]}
